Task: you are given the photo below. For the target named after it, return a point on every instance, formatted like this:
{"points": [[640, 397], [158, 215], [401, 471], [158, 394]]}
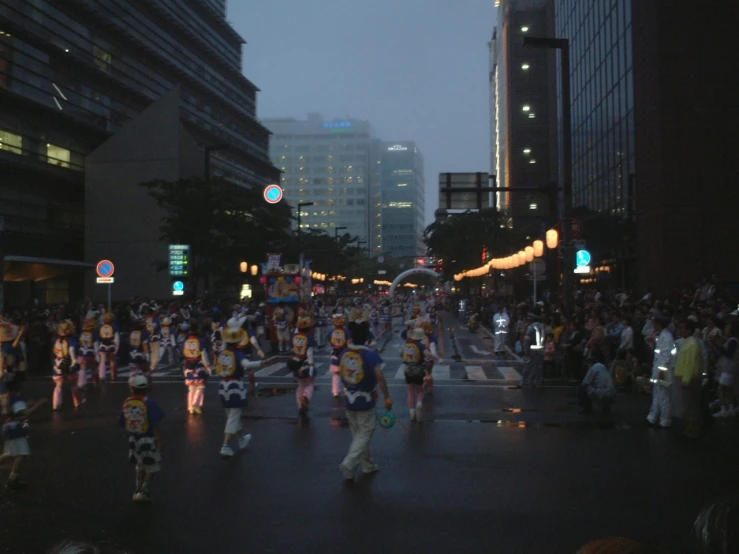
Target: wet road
{"points": [[490, 470]]}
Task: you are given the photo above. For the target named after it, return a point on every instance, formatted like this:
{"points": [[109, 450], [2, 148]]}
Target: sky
{"points": [[416, 69]]}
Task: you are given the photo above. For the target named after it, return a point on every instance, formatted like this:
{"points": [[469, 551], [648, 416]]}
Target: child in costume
{"points": [[416, 358], [302, 364], [15, 434], [431, 343], [339, 340], [154, 328], [138, 350], [109, 342], [196, 369], [168, 343], [140, 417], [65, 365], [231, 366], [87, 352]]}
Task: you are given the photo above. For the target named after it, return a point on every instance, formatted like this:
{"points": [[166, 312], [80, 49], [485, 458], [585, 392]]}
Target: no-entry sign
{"points": [[273, 194], [105, 268]]}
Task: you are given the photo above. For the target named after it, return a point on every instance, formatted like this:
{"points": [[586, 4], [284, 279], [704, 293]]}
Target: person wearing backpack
{"points": [[196, 369], [416, 357], [140, 417], [231, 366], [339, 340], [301, 364]]}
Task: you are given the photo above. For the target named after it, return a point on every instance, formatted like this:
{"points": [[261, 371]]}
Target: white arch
{"points": [[410, 272]]}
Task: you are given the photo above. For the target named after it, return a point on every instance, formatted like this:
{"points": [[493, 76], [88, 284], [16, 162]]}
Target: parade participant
{"points": [[231, 365], [361, 372], [182, 334], [261, 318], [301, 363], [12, 363], [339, 340], [216, 338], [431, 342], [501, 324], [140, 417], [533, 350], [662, 373], [15, 435], [387, 317], [108, 343], [415, 358], [65, 365], [168, 342], [87, 354], [248, 343], [138, 350], [154, 328], [597, 386], [282, 327], [196, 369], [689, 370]]}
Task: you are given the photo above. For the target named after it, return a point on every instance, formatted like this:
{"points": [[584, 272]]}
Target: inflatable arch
{"points": [[408, 273]]}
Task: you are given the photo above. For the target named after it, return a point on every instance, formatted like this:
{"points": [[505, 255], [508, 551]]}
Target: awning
{"points": [[29, 268]]}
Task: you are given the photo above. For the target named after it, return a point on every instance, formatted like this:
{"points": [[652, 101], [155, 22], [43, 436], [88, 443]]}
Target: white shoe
{"points": [[419, 412], [413, 415], [244, 442], [226, 451], [348, 475]]}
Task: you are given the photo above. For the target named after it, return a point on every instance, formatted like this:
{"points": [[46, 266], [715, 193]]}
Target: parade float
{"points": [[285, 287]]}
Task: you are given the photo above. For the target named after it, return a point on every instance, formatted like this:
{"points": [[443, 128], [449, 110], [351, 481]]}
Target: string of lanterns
{"points": [[535, 250]]}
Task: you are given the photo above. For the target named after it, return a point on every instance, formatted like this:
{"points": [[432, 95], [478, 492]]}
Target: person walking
{"points": [[361, 373], [688, 376], [662, 373]]}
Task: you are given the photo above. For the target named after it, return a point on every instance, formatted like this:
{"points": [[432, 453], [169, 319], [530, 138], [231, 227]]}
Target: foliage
{"points": [[222, 222]]}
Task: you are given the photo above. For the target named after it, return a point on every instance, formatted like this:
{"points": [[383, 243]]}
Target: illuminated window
{"points": [[11, 142], [102, 58], [524, 29], [400, 204], [527, 150], [525, 66], [533, 206], [56, 155], [526, 108], [402, 184]]}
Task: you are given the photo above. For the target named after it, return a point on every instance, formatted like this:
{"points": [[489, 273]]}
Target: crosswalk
{"points": [[395, 372], [125, 372]]}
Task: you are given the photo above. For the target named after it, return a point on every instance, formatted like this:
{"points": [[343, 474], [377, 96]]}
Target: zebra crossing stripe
{"points": [[441, 373], [509, 373], [270, 370], [400, 374], [475, 373]]}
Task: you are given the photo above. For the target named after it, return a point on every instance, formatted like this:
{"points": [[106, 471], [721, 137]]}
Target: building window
{"points": [[56, 155], [11, 142], [101, 58]]}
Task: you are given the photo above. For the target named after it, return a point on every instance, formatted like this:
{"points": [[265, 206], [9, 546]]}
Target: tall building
{"points": [[603, 145], [524, 127], [75, 79], [403, 199], [330, 163]]}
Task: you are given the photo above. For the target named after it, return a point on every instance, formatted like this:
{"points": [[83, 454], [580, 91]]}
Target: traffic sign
{"points": [[178, 288], [381, 259], [105, 280], [273, 194], [105, 268], [576, 227], [582, 258], [179, 260]]}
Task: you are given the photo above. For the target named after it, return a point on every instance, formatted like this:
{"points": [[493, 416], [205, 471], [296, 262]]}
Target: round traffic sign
{"points": [[582, 258], [105, 268], [273, 194], [178, 286], [381, 259]]}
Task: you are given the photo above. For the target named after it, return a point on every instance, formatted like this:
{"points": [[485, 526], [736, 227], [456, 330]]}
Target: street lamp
{"points": [[563, 45], [208, 149], [301, 205]]}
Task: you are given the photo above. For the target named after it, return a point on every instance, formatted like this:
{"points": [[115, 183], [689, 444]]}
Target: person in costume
{"points": [[15, 436], [196, 369], [231, 366], [416, 357], [248, 344], [216, 338], [65, 365], [339, 340], [302, 364], [140, 417], [87, 355], [138, 350], [432, 344], [154, 328], [501, 324], [282, 328], [12, 363], [168, 342], [108, 344], [361, 372]]}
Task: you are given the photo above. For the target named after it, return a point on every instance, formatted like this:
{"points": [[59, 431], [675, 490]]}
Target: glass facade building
{"points": [[403, 199], [73, 73]]}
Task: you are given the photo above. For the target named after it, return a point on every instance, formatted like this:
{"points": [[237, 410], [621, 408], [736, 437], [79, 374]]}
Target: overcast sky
{"points": [[416, 69]]}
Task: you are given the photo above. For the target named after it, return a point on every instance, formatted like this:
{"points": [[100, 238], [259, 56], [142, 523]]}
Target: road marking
{"points": [[441, 373], [509, 373], [478, 351], [475, 373], [270, 370], [400, 374]]}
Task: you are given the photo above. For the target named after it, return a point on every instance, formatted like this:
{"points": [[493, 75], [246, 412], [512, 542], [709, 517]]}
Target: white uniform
{"points": [[501, 323], [663, 370]]}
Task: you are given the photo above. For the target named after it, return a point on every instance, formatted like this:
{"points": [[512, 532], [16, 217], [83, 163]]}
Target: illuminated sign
{"points": [[178, 288], [179, 260], [273, 194], [337, 124], [582, 258], [397, 148], [582, 269]]}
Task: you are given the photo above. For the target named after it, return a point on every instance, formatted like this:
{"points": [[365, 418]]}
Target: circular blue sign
{"points": [[381, 259], [273, 194], [582, 258], [178, 286]]}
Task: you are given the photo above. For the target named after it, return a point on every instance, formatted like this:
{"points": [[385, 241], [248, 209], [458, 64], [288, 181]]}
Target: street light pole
{"points": [[563, 45], [336, 232], [301, 205]]}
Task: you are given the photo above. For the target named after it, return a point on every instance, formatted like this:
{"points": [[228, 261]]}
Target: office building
{"points": [[330, 163], [84, 85], [403, 199], [524, 115]]}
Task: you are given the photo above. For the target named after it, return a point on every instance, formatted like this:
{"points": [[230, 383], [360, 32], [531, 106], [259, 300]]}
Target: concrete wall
{"points": [[122, 222]]}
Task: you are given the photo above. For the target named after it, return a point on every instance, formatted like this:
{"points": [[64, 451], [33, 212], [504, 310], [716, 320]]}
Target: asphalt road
{"points": [[490, 470]]}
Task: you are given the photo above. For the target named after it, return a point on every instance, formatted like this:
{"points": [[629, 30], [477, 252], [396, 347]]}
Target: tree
{"points": [[459, 240], [222, 222]]}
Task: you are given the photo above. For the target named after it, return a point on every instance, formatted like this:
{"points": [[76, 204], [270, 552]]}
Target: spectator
{"points": [[597, 386]]}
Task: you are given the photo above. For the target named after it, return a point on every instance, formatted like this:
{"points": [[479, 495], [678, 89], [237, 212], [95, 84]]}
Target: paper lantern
{"points": [[263, 280], [538, 248], [552, 239], [254, 270], [298, 280], [244, 267], [521, 257], [529, 253]]}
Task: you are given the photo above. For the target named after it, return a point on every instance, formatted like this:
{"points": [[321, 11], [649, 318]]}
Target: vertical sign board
{"points": [[179, 267]]}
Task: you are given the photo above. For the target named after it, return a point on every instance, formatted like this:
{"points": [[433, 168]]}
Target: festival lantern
{"points": [[529, 253], [539, 248], [552, 239]]}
